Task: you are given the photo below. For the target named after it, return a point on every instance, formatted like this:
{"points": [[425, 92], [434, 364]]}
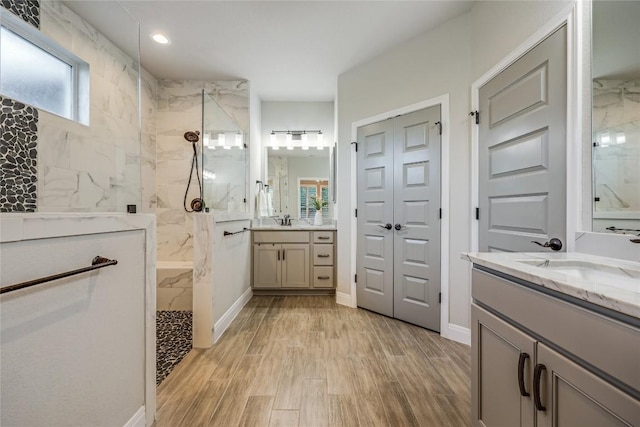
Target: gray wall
{"points": [[445, 60]]}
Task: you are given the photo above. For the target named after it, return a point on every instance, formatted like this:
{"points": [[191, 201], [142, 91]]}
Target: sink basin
{"points": [[587, 270]]}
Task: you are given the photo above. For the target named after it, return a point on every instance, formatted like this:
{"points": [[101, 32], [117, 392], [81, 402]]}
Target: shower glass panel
{"points": [[224, 159]]}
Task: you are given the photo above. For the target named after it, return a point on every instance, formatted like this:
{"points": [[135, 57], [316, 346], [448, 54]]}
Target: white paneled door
{"points": [[398, 256]]}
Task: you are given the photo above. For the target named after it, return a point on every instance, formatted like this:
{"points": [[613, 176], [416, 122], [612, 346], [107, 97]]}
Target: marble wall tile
{"points": [[95, 167], [179, 109]]}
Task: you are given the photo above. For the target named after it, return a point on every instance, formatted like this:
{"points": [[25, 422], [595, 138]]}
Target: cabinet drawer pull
{"points": [[283, 252], [323, 237], [323, 256], [278, 254], [521, 361], [323, 277], [537, 374]]}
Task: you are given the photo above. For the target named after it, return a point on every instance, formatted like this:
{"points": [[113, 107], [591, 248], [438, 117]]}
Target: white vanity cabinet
{"points": [[293, 260], [541, 360]]}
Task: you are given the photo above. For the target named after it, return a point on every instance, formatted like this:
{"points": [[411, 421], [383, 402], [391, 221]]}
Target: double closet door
{"points": [[398, 246]]}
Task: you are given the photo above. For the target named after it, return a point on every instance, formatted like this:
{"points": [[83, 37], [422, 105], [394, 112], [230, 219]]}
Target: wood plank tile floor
{"points": [[306, 361]]}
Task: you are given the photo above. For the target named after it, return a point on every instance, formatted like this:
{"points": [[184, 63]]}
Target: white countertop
{"points": [[269, 224], [620, 295]]}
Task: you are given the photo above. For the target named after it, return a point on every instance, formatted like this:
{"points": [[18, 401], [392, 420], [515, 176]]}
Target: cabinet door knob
{"points": [[537, 375], [521, 361]]}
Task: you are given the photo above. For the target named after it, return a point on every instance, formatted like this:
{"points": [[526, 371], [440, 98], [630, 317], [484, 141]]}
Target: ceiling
{"points": [[288, 50]]}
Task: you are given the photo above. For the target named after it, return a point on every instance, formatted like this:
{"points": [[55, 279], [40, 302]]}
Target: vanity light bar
{"points": [[297, 135]]}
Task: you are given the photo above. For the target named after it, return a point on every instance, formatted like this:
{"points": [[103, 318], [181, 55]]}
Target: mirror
{"points": [[224, 159], [616, 116], [294, 177]]}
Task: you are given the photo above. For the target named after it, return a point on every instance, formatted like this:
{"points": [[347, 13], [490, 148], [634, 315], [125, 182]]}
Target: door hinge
{"points": [[477, 213], [355, 143], [356, 213], [439, 297], [477, 116], [440, 213], [355, 278], [439, 124]]}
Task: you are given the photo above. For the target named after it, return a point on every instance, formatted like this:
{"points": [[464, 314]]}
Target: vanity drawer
{"points": [[323, 237], [323, 277], [281, 237], [322, 254]]}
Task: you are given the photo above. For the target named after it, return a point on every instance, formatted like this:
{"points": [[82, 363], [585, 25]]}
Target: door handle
{"points": [[521, 361], [283, 252], [399, 227], [388, 226], [554, 244], [278, 254], [537, 374], [323, 277], [323, 256]]}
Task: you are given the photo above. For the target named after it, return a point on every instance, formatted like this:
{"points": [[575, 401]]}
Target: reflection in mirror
{"points": [[295, 177], [224, 159], [616, 116]]}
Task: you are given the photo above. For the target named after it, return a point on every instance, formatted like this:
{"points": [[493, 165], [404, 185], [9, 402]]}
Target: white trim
{"points": [[344, 299], [459, 334], [445, 170], [138, 419], [574, 121], [228, 317]]}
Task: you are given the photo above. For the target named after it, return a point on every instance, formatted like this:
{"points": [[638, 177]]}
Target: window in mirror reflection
{"points": [[308, 189]]}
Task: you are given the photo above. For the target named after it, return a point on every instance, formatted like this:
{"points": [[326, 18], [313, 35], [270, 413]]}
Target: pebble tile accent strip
{"points": [[27, 10], [173, 340], [18, 156]]}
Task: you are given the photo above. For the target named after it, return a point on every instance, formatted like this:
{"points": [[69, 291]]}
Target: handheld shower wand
{"points": [[197, 204]]}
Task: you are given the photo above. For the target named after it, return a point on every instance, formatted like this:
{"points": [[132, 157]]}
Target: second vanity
{"points": [[293, 258], [555, 340]]}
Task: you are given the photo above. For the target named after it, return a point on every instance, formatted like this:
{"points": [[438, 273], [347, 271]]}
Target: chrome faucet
{"points": [[286, 220]]}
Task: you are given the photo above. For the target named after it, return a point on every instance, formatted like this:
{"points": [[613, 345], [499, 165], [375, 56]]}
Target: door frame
{"points": [[572, 16], [443, 101]]}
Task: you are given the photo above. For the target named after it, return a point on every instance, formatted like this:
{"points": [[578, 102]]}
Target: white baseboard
{"points": [[226, 319], [459, 334], [344, 299], [138, 419]]}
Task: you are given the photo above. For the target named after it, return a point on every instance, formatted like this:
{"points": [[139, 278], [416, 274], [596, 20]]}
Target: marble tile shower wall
{"points": [[615, 113], [179, 110], [19, 136], [96, 167]]}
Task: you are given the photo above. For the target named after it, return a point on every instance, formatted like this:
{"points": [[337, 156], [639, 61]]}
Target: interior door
{"points": [[416, 218], [398, 256], [375, 210], [522, 150]]}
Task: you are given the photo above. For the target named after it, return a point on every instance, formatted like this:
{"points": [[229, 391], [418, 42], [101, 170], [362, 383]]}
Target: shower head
{"points": [[192, 137]]}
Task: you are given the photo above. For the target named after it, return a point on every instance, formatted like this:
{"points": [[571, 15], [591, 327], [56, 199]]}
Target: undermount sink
{"points": [[588, 270]]}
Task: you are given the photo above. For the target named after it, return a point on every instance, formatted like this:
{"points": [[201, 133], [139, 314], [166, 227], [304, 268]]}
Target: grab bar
{"points": [[97, 262], [228, 233]]}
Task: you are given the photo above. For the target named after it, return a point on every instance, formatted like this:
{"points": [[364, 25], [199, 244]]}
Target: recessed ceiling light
{"points": [[160, 38]]}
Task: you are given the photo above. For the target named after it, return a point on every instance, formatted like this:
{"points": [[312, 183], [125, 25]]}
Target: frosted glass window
{"points": [[34, 76], [36, 70]]}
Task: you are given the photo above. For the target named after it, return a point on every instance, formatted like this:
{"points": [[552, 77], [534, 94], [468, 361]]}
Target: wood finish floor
{"points": [[306, 361]]}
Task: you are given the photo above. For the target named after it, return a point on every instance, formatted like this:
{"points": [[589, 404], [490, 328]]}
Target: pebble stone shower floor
{"points": [[173, 340]]}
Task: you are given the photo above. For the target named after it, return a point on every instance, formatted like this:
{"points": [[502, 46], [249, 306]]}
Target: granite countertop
{"points": [[604, 288]]}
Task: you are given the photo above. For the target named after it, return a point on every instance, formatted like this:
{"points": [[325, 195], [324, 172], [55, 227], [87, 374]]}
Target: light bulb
{"points": [[238, 139], [620, 138], [320, 138], [222, 139], [273, 140], [160, 38], [206, 139]]}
